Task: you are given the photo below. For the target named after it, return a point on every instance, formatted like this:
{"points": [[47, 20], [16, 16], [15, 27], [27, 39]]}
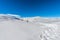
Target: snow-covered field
{"points": [[14, 27]]}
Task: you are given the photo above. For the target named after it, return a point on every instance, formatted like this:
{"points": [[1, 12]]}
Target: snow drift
{"points": [[14, 27]]}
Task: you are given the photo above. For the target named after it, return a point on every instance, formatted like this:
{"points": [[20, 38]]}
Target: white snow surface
{"points": [[14, 27]]}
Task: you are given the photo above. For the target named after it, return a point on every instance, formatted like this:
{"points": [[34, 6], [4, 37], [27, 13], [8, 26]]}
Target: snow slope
{"points": [[14, 27]]}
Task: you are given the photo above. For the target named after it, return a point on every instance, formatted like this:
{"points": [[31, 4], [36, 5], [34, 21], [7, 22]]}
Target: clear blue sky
{"points": [[31, 7]]}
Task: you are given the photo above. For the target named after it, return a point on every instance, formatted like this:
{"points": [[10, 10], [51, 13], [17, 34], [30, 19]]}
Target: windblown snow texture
{"points": [[14, 27]]}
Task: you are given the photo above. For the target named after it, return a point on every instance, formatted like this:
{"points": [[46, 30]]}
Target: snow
{"points": [[29, 28]]}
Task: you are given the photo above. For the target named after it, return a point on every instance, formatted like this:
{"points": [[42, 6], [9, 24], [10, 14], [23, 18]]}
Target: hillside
{"points": [[13, 27]]}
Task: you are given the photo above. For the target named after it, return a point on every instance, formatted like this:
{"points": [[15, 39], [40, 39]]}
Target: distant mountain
{"points": [[28, 19]]}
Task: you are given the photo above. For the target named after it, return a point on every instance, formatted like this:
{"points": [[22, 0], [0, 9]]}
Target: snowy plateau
{"points": [[14, 27]]}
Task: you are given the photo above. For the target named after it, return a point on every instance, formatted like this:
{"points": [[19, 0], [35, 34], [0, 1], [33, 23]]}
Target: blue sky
{"points": [[44, 8]]}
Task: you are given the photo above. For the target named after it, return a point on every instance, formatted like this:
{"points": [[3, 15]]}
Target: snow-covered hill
{"points": [[14, 27]]}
